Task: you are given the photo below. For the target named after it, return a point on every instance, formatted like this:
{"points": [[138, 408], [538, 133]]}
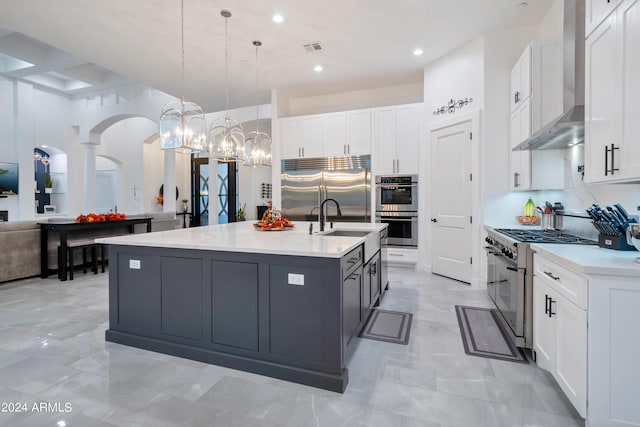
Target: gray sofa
{"points": [[20, 244]]}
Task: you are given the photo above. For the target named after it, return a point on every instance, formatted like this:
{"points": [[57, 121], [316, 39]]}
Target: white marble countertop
{"points": [[242, 237], [591, 259]]}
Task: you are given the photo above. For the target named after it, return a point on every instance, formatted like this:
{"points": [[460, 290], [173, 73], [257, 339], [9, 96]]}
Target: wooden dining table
{"points": [[66, 231]]}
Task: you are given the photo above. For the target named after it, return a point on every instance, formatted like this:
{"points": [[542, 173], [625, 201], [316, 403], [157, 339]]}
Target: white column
{"points": [[89, 202], [169, 182]]}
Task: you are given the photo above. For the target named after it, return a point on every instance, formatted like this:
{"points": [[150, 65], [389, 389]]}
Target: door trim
{"points": [[425, 247]]}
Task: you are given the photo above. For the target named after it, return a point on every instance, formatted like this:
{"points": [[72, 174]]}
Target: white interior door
{"points": [[451, 201], [105, 191]]}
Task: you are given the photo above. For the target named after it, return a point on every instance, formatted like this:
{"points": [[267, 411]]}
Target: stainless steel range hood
{"points": [[567, 129]]}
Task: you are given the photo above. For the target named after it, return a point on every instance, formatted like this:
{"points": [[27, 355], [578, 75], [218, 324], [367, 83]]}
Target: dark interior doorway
{"points": [[226, 205]]}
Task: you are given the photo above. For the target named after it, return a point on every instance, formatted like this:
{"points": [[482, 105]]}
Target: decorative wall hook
{"points": [[452, 105]]}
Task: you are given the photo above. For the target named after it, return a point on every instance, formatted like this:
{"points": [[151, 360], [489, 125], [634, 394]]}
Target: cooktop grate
{"points": [[544, 236]]}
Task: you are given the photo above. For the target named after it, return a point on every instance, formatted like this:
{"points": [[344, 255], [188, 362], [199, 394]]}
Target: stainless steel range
{"points": [[510, 275]]}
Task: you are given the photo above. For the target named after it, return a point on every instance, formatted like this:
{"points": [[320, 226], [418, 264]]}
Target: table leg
{"points": [[44, 254], [62, 257]]}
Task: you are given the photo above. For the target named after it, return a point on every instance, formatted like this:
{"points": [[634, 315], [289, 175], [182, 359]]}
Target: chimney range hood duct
{"points": [[567, 129]]}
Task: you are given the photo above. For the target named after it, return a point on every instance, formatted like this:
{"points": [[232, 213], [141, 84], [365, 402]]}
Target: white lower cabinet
{"points": [[401, 256], [614, 351], [560, 329], [585, 333]]}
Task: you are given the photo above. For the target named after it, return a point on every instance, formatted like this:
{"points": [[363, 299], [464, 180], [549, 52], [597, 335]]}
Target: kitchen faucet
{"points": [[322, 211]]}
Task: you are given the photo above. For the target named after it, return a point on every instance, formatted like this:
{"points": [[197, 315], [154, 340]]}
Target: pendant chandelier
{"points": [[257, 150], [182, 124], [226, 136]]}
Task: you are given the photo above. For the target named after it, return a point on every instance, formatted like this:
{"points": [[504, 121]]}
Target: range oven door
{"points": [[507, 290], [403, 228], [397, 193]]}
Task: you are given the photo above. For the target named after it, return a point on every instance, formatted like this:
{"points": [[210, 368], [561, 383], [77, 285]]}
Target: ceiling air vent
{"points": [[312, 47]]}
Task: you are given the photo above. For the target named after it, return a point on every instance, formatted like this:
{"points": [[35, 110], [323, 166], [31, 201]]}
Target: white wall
{"points": [[457, 75], [292, 105], [119, 123]]}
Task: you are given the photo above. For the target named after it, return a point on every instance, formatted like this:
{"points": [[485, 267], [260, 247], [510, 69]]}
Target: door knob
{"points": [[434, 220]]}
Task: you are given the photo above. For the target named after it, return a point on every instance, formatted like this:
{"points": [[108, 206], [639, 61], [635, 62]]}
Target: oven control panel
{"points": [[508, 251]]}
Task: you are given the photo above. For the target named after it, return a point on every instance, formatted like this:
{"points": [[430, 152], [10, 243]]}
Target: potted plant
{"points": [[185, 205], [48, 184], [242, 212]]}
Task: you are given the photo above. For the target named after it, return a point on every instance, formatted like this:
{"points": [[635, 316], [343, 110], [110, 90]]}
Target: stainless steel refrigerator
{"points": [[306, 182]]}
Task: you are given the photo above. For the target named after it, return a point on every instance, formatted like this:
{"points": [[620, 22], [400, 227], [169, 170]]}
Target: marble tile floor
{"points": [[52, 351]]}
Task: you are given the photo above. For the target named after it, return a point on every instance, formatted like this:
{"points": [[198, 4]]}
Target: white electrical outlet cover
{"points": [[134, 264], [296, 279]]}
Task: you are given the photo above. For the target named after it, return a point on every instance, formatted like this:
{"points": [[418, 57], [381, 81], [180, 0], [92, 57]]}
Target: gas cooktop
{"points": [[543, 236]]}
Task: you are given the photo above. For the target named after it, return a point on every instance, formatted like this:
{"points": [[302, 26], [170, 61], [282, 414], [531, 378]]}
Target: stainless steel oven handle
{"points": [[396, 185], [411, 218]]}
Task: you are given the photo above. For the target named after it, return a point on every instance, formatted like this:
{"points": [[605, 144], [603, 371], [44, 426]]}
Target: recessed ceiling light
{"points": [[317, 68], [418, 52], [278, 18], [44, 146], [523, 4]]}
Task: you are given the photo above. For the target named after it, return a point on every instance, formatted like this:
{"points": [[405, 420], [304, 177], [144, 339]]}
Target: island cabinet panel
{"points": [[234, 302], [138, 307], [301, 315], [291, 317], [181, 291], [351, 306]]}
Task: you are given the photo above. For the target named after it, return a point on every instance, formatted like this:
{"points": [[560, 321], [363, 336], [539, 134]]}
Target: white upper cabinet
{"points": [[397, 132], [290, 138], [521, 79], [359, 132], [612, 153], [302, 137], [596, 11], [520, 129], [335, 134], [537, 87], [326, 135]]}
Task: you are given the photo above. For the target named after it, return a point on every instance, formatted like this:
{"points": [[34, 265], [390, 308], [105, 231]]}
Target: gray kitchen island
{"points": [[285, 304]]}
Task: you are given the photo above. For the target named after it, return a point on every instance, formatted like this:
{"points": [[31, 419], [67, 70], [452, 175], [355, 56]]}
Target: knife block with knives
{"points": [[611, 223]]}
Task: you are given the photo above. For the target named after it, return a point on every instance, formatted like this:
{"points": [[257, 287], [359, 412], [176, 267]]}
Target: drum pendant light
{"points": [[182, 124], [257, 150], [226, 136]]}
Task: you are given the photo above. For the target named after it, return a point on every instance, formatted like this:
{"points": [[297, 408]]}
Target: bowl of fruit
{"points": [[528, 216], [273, 220]]}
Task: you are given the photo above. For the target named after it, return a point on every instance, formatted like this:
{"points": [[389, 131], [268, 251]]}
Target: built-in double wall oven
{"points": [[397, 206]]}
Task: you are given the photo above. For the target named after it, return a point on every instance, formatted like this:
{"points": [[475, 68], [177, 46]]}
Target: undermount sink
{"points": [[371, 242], [347, 233]]}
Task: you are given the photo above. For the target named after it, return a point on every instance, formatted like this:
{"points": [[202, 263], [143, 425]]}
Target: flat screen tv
{"points": [[8, 178]]}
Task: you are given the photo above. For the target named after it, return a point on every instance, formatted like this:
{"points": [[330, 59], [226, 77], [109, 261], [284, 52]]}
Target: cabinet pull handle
{"points": [[516, 179], [551, 312], [551, 275], [611, 150], [546, 304], [302, 151], [353, 260], [348, 148], [516, 97], [400, 255], [373, 269], [353, 276]]}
